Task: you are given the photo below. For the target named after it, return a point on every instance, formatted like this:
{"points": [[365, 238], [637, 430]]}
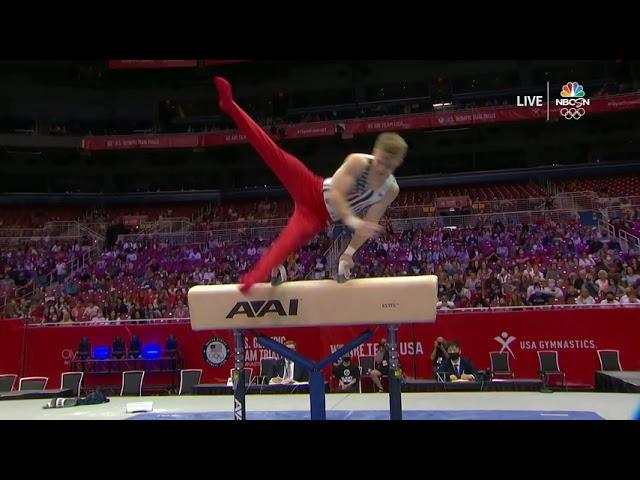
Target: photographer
{"points": [[381, 364], [438, 355]]}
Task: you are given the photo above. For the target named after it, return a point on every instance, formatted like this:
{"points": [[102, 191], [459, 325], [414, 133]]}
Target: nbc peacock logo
{"points": [[573, 101], [572, 90]]}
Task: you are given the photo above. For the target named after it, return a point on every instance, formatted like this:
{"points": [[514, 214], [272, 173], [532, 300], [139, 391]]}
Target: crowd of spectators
{"points": [[488, 264]]}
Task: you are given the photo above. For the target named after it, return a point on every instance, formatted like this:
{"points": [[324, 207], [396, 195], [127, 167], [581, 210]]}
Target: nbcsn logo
{"points": [[572, 101]]}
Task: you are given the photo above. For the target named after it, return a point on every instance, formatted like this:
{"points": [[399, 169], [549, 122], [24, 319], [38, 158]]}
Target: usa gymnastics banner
{"points": [[576, 334]]}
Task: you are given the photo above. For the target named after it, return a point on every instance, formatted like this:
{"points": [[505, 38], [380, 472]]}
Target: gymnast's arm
{"points": [[342, 184], [374, 214]]}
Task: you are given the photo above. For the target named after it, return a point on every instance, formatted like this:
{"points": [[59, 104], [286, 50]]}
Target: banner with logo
{"points": [[453, 202], [460, 118], [457, 118], [134, 220], [132, 142], [576, 335]]}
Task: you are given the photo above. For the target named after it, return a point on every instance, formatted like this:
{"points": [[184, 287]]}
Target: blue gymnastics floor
{"points": [[382, 415]]}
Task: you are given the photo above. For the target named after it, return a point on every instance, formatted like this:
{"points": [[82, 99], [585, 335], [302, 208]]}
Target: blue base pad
{"points": [[383, 415]]}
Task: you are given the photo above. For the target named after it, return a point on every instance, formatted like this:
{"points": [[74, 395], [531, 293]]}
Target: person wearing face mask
{"points": [[287, 371], [610, 299], [348, 375], [457, 367], [381, 364]]}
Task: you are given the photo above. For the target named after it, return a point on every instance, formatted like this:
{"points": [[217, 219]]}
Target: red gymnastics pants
{"points": [[310, 214]]}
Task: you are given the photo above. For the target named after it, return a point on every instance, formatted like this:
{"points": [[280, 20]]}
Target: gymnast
{"points": [[362, 183]]}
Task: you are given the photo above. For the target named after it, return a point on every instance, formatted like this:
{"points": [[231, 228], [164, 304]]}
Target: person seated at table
{"points": [[456, 367], [286, 370], [382, 365]]}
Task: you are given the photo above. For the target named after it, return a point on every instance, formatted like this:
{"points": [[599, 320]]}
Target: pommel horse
{"points": [[387, 301]]}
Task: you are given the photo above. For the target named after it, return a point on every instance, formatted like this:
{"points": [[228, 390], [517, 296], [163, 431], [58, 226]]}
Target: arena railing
{"points": [[458, 221], [606, 227], [470, 221], [158, 321], [478, 207], [173, 224], [202, 237], [16, 232], [583, 200], [57, 230], [628, 241], [18, 293], [621, 211], [140, 321], [257, 222], [536, 308]]}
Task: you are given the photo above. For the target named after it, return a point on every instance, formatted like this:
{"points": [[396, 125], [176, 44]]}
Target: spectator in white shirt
{"points": [[610, 300], [585, 297], [444, 303], [602, 282], [630, 297]]}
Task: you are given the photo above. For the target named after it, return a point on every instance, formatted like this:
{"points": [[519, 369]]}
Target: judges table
{"points": [[225, 389], [169, 366], [496, 385], [119, 365]]}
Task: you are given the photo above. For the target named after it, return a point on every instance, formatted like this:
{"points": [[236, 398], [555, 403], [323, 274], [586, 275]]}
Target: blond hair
{"points": [[391, 144]]}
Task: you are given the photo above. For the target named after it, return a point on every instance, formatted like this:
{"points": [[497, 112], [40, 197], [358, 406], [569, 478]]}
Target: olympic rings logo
{"points": [[572, 113], [68, 355], [216, 352]]}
